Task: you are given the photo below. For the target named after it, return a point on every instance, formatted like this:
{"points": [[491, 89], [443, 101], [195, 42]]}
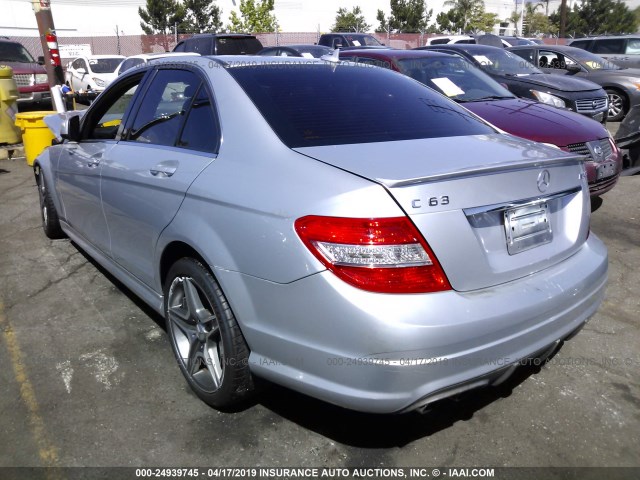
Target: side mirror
{"points": [[81, 71], [41, 60], [70, 129], [573, 68]]}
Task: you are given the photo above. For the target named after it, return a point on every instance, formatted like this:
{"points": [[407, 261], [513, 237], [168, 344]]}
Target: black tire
{"points": [[205, 337], [618, 105], [48, 212]]}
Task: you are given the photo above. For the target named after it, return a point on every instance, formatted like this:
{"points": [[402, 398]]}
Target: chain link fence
{"points": [[128, 45]]}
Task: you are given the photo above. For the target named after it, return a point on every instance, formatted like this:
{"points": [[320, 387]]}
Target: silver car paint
{"points": [[309, 330]]}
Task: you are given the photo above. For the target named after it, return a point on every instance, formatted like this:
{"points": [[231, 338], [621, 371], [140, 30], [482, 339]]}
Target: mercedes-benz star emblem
{"points": [[544, 179]]}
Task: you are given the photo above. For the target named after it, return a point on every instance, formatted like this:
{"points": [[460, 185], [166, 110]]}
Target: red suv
{"points": [[30, 76]]}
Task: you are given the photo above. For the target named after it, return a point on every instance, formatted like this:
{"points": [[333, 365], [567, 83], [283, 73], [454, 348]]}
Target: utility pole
{"points": [[46, 29], [118, 38]]}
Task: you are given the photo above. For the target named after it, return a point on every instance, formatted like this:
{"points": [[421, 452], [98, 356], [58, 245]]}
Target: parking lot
{"points": [[89, 379]]}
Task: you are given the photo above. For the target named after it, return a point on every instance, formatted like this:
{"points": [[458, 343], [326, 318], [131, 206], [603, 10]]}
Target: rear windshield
{"points": [[238, 46], [319, 104]]}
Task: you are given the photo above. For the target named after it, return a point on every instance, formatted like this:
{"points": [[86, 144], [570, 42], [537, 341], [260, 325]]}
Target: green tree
{"points": [[450, 21], [515, 19], [255, 16], [597, 17], [201, 16], [536, 23], [482, 21], [347, 21], [466, 10], [407, 16], [159, 18]]}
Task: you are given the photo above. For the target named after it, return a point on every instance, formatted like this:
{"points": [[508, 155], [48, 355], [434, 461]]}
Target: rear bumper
{"points": [[391, 353]]}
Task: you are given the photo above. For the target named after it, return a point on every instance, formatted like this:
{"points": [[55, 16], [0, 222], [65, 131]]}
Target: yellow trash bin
{"points": [[36, 136], [9, 134]]}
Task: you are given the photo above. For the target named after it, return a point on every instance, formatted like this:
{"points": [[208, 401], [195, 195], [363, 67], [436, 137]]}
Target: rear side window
{"points": [[201, 131], [318, 104]]}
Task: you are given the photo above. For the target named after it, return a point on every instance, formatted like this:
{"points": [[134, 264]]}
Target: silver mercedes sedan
{"points": [[339, 229]]}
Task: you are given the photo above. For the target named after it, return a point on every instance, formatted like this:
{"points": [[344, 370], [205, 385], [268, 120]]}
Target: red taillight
{"points": [[386, 255]]}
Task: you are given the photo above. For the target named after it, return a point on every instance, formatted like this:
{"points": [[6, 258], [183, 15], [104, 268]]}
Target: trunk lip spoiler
{"points": [[485, 170]]}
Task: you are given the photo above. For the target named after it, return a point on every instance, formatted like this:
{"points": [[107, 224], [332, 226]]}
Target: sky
{"points": [[102, 17]]}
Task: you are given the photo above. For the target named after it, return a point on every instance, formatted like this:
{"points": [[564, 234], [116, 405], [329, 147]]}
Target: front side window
{"points": [[633, 46], [104, 119]]}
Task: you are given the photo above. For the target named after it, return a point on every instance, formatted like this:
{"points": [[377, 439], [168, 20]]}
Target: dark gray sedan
{"points": [[621, 84]]}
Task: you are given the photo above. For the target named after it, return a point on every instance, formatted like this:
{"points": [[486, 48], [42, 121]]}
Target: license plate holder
{"points": [[527, 227], [605, 170]]}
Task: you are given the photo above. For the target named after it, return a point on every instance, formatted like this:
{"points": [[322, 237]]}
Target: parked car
{"points": [[220, 44], [470, 39], [456, 78], [621, 84], [92, 72], [622, 50], [308, 51], [143, 58], [347, 39], [527, 81], [357, 236], [29, 75]]}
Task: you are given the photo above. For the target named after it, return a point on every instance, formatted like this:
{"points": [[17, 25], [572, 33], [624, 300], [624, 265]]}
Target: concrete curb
{"points": [[11, 151]]}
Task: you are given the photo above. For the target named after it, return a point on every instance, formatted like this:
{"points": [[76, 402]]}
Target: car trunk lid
{"points": [[493, 208]]}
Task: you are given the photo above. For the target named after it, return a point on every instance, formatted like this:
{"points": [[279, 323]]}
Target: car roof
{"points": [[151, 56], [559, 48], [198, 35], [612, 37], [395, 54], [98, 57], [467, 47]]}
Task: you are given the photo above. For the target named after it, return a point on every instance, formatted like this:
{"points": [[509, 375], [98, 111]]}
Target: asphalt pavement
{"points": [[88, 377]]}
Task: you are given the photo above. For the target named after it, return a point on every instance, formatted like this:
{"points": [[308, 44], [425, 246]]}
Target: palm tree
{"points": [[515, 19], [466, 8]]}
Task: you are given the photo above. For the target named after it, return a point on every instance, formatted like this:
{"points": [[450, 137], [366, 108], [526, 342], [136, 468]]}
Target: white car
{"points": [[143, 58], [93, 72]]}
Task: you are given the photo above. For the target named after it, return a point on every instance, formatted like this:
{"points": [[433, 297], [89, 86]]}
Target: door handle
{"points": [[163, 170]]}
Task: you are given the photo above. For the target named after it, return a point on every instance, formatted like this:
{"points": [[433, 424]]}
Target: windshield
{"points": [[363, 40], [104, 65], [501, 62], [454, 77], [318, 104], [591, 61], [14, 52]]}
